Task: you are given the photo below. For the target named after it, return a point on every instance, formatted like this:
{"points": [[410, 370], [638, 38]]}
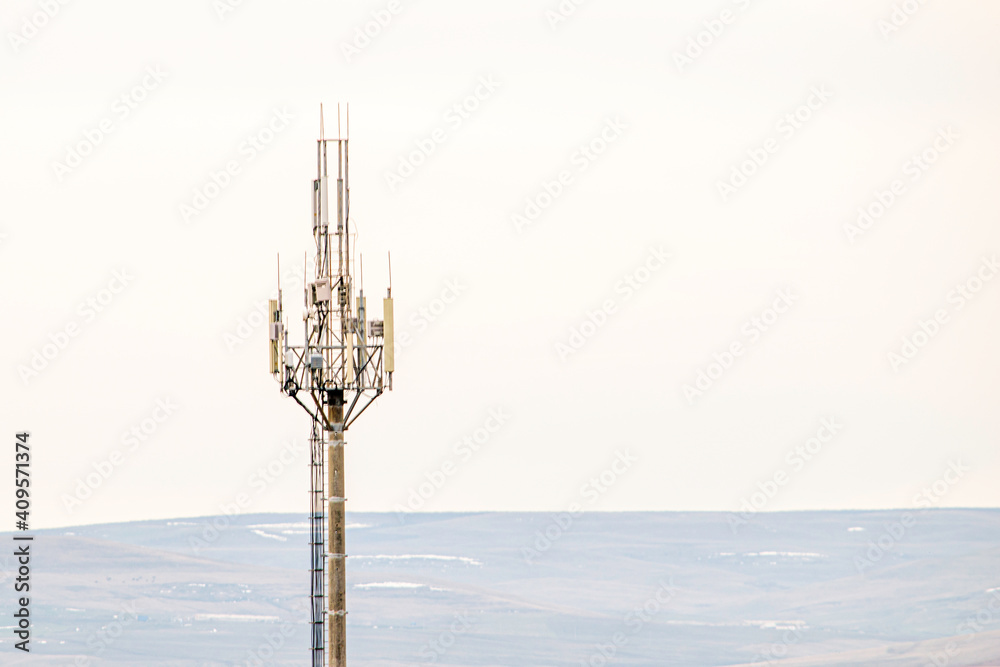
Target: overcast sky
{"points": [[666, 242]]}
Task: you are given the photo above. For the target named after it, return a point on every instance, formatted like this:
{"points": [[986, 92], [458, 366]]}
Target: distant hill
{"points": [[527, 589]]}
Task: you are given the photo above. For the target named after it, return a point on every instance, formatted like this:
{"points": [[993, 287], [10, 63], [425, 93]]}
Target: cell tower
{"points": [[345, 363]]}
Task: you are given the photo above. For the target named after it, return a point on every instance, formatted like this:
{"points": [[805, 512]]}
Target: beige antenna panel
{"points": [[388, 341]]}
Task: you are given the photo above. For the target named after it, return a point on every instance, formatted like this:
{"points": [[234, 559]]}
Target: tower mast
{"points": [[345, 363]]}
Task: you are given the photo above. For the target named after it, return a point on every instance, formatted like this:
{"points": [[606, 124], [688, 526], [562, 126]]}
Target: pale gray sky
{"points": [[117, 113]]}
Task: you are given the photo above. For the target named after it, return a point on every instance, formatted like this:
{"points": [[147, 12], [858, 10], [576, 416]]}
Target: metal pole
{"points": [[337, 612]]}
